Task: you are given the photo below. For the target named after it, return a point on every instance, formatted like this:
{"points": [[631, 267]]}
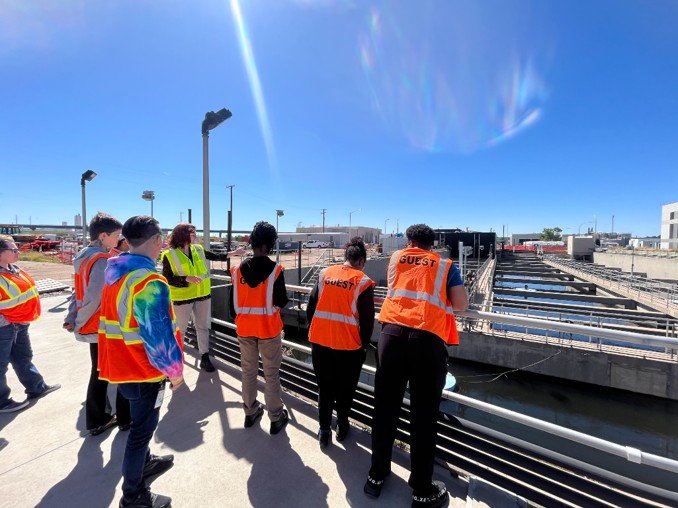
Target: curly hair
{"points": [[421, 234], [263, 235], [355, 250], [181, 235]]}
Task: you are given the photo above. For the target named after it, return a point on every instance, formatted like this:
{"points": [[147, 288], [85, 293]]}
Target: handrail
{"points": [[631, 454], [319, 263], [542, 324]]}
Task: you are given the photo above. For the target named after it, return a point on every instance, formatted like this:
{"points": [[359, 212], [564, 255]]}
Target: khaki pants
{"points": [[271, 356], [201, 311]]}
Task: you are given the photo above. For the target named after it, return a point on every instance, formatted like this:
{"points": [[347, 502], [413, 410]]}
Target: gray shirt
{"points": [[92, 298]]}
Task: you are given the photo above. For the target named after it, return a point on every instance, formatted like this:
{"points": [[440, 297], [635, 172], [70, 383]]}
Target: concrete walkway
{"points": [[48, 460]]}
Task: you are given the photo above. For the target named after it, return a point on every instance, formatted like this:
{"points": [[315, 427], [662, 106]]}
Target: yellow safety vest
{"points": [[182, 266]]}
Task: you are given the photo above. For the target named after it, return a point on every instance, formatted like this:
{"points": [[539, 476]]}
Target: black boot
{"points": [[205, 363]]}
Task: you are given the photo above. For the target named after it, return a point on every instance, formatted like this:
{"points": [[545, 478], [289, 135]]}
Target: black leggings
{"points": [[337, 372], [95, 406]]}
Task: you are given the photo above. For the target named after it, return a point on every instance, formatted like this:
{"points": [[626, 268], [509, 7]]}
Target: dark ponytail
{"points": [[355, 250]]}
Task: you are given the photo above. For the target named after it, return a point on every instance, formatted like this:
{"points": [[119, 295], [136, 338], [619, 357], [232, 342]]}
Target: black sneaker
{"points": [[324, 438], [157, 465], [435, 497], [252, 419], [147, 499], [103, 428], [373, 487], [342, 431], [280, 424], [12, 406], [206, 364], [48, 389]]}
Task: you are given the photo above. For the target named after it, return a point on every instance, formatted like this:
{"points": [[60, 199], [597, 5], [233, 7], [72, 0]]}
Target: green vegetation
{"points": [[551, 234], [32, 255]]}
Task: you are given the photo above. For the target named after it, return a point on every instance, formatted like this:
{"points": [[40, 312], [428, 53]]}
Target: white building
{"points": [[669, 231]]}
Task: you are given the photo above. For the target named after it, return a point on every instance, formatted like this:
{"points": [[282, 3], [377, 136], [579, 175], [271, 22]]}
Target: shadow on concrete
{"points": [[181, 428], [90, 483]]}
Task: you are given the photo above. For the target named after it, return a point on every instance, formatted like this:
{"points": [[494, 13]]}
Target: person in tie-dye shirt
{"points": [[139, 347]]}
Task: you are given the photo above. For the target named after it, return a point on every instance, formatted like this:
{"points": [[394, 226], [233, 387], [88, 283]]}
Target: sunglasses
{"points": [[15, 251]]}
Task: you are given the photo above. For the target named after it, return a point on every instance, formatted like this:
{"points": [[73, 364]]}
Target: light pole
{"points": [[87, 176], [149, 195], [278, 214], [349, 222], [385, 221], [211, 121], [230, 223]]}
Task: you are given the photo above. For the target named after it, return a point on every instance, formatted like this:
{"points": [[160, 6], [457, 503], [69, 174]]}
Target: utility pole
{"points": [[181, 216], [612, 225], [230, 225], [190, 216], [324, 210]]}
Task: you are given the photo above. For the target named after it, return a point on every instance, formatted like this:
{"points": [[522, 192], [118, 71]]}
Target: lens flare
{"points": [[255, 83], [454, 93]]}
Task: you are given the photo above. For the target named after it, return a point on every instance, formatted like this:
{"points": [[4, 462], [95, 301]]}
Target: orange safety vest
{"points": [[122, 357], [83, 269], [335, 321], [417, 294], [256, 316], [19, 299]]}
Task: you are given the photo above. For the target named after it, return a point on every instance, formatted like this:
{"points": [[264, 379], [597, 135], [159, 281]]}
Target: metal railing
{"points": [[662, 293], [475, 316], [323, 260], [632, 455]]}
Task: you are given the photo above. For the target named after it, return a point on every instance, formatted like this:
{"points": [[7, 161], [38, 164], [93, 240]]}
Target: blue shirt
{"points": [[454, 277]]}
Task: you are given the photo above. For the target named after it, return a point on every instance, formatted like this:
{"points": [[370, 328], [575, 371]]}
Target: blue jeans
{"points": [[142, 397], [15, 348]]}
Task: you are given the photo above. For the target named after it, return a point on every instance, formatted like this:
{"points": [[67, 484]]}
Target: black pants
{"points": [[95, 405], [337, 373], [423, 362]]}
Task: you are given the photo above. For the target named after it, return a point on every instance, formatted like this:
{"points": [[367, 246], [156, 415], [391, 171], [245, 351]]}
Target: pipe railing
{"points": [[541, 324], [631, 454]]}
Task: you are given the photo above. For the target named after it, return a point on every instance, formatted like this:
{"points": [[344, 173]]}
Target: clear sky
{"points": [[465, 113]]}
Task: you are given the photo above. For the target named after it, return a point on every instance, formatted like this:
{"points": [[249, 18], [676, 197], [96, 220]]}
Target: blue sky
{"points": [[470, 114]]}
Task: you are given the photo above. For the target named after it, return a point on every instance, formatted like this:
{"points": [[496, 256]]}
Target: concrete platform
{"points": [[48, 460]]}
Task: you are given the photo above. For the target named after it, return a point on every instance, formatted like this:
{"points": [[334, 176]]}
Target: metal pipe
{"points": [[205, 190]]}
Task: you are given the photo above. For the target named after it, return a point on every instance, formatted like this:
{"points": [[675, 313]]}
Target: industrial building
{"points": [[669, 231]]}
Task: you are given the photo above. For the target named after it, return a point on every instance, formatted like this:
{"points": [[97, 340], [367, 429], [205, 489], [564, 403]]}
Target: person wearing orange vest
{"points": [[258, 293], [83, 320], [19, 306], [418, 324], [139, 348], [341, 312]]}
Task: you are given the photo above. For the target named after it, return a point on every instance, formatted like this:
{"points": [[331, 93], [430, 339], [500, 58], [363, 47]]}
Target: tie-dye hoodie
{"points": [[152, 311]]}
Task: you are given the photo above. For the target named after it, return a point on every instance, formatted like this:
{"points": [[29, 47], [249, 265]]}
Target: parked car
{"points": [[311, 244]]}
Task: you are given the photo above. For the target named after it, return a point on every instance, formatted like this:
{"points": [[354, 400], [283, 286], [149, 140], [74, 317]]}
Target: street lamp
{"points": [[211, 121], [385, 221], [149, 195], [278, 213], [349, 222], [87, 176]]}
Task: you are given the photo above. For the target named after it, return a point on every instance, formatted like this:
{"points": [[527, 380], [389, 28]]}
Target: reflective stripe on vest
{"points": [[438, 317], [196, 266], [256, 315], [122, 354], [19, 298], [15, 296], [83, 269], [268, 309], [329, 328]]}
